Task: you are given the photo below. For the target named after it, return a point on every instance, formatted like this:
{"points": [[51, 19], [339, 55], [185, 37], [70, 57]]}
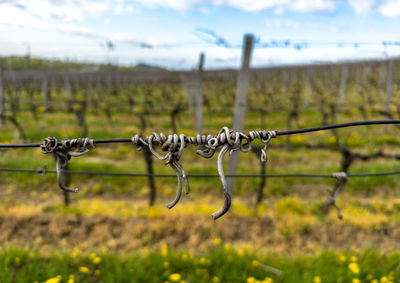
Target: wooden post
{"points": [[186, 88], [308, 88], [68, 89], [2, 108], [284, 86], [382, 75], [198, 99], [46, 93], [389, 87], [90, 92], [240, 104], [357, 81], [342, 89]]}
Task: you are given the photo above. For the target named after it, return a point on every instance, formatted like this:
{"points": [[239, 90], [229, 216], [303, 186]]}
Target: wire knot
{"points": [[63, 152]]}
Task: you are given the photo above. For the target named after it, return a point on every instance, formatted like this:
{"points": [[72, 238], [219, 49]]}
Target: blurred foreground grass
{"points": [[220, 263]]}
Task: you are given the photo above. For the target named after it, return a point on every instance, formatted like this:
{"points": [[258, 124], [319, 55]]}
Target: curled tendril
{"points": [[179, 193], [341, 178], [208, 145], [63, 153], [227, 195]]}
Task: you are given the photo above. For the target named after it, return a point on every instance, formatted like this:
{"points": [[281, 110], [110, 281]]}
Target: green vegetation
{"points": [[221, 263]]}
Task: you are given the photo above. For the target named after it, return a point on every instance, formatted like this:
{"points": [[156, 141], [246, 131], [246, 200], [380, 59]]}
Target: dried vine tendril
{"points": [[228, 140], [63, 152], [341, 178], [174, 145]]}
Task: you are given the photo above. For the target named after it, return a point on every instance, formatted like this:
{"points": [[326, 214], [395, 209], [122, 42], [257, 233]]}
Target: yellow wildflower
{"points": [[76, 253], [255, 263], [356, 280], [203, 260], [166, 264], [182, 281], [251, 280], [216, 279], [217, 241], [164, 250], [354, 268], [342, 258], [92, 255], [184, 257], [56, 279], [374, 281], [240, 252], [97, 272], [317, 279], [249, 248], [268, 280], [353, 258], [84, 270], [71, 279], [97, 260], [175, 277], [384, 279], [228, 246]]}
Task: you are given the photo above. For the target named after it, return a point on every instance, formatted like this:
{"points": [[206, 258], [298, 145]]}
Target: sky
{"points": [[172, 33]]}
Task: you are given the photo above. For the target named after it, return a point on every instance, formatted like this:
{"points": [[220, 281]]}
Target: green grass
{"points": [[219, 264]]}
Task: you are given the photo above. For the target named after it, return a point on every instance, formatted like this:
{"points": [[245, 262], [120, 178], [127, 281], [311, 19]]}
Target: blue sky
{"points": [[178, 30]]}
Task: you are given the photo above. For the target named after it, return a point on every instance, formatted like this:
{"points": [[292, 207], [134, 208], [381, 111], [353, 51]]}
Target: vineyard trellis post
{"points": [[46, 93], [389, 88], [308, 88], [186, 89], [68, 89], [342, 88], [285, 78], [382, 75], [1, 93], [240, 104], [198, 99], [89, 82]]}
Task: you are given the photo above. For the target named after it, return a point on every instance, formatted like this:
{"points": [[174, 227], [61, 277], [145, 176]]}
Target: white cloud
{"points": [[303, 6], [388, 8], [39, 14], [66, 10], [362, 6], [279, 23]]}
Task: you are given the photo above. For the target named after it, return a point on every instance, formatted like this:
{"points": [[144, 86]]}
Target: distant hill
{"points": [[30, 63], [147, 67]]}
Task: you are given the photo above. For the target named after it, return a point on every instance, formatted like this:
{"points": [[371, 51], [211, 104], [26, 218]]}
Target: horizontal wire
{"points": [[295, 175], [278, 133]]}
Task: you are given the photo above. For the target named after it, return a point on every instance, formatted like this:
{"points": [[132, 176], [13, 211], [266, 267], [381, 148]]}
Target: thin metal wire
{"points": [[295, 175], [278, 133]]}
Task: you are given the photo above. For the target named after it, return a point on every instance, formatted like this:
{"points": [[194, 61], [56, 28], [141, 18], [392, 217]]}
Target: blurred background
{"points": [[116, 68]]}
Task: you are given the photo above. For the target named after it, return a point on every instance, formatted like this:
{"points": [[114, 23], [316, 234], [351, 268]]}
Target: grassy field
{"points": [[110, 234], [220, 263]]}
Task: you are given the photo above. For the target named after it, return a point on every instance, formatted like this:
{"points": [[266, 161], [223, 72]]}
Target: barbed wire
{"points": [[174, 144]]}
